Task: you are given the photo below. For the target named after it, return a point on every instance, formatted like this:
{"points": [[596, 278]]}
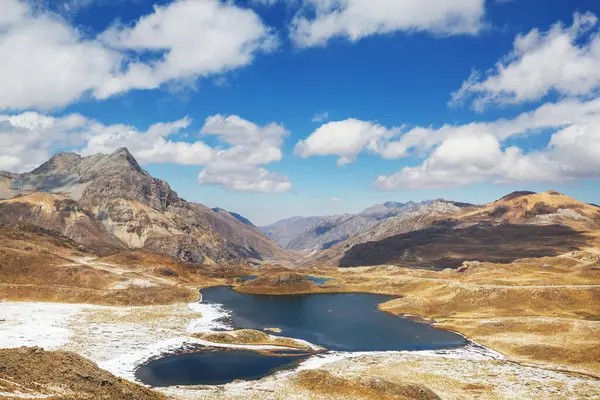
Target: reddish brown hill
{"points": [[519, 225]]}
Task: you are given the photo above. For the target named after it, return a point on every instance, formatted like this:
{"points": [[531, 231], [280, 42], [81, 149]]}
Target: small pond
{"points": [[211, 368], [317, 280]]}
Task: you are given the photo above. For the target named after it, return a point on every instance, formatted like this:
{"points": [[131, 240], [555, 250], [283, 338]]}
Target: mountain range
{"points": [[519, 225], [109, 204], [310, 235]]}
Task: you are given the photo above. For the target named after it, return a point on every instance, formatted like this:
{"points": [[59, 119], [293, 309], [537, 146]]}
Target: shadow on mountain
{"points": [[448, 247]]}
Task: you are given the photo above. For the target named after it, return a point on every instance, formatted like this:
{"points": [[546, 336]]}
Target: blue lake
{"points": [[336, 321]]}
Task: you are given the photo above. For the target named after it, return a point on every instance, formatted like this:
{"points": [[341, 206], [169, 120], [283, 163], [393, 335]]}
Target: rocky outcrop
{"points": [[59, 214], [279, 284]]}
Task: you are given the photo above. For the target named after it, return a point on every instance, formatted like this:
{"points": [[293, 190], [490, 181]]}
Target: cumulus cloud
{"points": [[236, 163], [474, 153], [47, 62], [563, 60], [28, 139], [151, 146], [193, 38], [321, 20], [240, 165], [345, 139]]}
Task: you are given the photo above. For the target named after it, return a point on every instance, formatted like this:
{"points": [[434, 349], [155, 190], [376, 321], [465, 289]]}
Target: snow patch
{"points": [[214, 317], [36, 324], [144, 283]]}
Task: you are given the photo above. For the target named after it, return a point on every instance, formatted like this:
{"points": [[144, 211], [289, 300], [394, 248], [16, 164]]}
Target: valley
{"points": [[299, 200], [101, 267]]}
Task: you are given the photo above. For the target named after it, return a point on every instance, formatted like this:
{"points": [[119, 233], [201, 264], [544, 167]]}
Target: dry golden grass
{"points": [[327, 384], [39, 265], [30, 372], [253, 337]]}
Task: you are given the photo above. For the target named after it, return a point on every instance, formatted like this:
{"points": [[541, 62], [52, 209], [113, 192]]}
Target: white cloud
{"points": [[48, 63], [193, 38], [249, 147], [272, 2], [237, 163], [474, 153], [345, 139], [151, 146], [45, 62], [28, 139], [573, 153], [461, 159], [321, 20], [320, 117], [336, 199], [564, 60]]}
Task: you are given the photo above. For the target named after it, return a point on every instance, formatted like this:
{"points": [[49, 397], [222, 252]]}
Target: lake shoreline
{"points": [[106, 334]]}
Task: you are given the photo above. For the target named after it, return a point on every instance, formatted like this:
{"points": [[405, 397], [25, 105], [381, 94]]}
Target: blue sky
{"points": [[355, 102]]}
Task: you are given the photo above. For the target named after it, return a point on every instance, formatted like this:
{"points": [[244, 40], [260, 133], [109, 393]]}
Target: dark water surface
{"points": [[317, 280], [336, 321], [212, 368]]}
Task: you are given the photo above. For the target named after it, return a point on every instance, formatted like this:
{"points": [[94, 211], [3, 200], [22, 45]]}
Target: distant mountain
{"points": [[286, 230], [415, 216], [108, 202], [314, 234], [519, 225]]}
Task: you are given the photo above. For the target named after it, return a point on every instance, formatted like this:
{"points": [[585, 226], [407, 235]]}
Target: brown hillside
{"points": [[519, 225], [31, 372]]}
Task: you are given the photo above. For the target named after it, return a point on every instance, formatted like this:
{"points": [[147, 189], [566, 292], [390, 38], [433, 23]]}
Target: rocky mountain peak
{"points": [[59, 162], [122, 156], [122, 151]]}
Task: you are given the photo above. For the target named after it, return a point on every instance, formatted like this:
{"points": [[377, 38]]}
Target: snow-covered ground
{"points": [[37, 324], [120, 339]]}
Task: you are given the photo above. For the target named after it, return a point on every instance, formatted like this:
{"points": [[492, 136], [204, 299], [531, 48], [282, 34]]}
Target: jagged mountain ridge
{"points": [[314, 234], [111, 200], [416, 216]]}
